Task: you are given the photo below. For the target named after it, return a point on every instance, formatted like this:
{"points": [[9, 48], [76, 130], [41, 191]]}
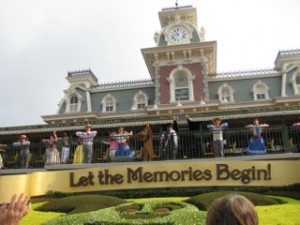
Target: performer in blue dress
{"points": [[257, 144], [123, 152]]}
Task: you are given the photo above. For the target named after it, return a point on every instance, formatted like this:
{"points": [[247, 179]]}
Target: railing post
{"points": [[285, 138]]}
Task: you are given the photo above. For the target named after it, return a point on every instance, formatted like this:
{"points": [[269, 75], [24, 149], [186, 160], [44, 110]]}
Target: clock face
{"points": [[178, 34]]}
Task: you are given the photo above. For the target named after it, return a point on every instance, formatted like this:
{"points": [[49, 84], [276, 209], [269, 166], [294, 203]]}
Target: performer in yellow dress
{"points": [[78, 155]]}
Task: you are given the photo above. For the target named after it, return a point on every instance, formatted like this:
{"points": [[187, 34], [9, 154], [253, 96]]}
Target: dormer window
{"points": [[74, 101], [140, 100], [109, 104], [295, 81], [74, 104], [225, 93], [260, 91]]}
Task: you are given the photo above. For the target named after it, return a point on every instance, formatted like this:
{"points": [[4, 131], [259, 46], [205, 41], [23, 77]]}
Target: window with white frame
{"points": [[181, 84], [140, 100], [297, 81], [260, 91], [226, 93], [109, 104], [74, 104]]}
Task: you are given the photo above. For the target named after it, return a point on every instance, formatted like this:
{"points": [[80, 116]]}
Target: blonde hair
{"points": [[232, 209]]}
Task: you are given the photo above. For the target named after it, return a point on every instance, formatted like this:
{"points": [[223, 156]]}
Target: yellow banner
{"points": [[139, 175]]}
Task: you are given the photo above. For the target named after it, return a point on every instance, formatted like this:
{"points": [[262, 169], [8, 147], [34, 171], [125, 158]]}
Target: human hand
{"points": [[13, 213]]}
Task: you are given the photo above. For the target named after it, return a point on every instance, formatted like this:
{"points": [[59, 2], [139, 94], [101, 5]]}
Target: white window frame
{"points": [[171, 80], [260, 88], [293, 81], [107, 103], [138, 104], [74, 105], [71, 108], [229, 97]]}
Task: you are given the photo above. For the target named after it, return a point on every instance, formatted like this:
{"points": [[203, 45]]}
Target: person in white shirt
{"points": [[87, 142], [217, 129]]}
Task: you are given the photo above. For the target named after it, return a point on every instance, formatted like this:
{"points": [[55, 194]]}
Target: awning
{"points": [[81, 127], [244, 115]]}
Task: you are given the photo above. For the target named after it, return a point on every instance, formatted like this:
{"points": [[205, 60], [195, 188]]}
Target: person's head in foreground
{"points": [[232, 209]]}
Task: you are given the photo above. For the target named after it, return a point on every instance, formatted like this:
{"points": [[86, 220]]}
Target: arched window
{"points": [[225, 93], [74, 106], [181, 85], [140, 100], [295, 81], [108, 104], [260, 91]]}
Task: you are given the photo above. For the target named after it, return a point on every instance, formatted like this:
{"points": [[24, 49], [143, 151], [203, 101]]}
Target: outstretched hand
{"points": [[12, 213]]}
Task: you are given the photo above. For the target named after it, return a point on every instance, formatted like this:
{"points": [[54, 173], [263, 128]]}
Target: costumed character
{"points": [[148, 151], [113, 145], [169, 143], [78, 154], [87, 142], [123, 152], [217, 130], [257, 144], [24, 144], [52, 154], [2, 149]]}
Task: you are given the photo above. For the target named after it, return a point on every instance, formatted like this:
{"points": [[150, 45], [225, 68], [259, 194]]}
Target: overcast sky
{"points": [[41, 40]]}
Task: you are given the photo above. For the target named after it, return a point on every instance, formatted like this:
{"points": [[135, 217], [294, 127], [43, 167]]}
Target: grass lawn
{"points": [[283, 214]]}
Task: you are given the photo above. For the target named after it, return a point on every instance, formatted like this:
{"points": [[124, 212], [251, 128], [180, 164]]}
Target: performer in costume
{"points": [[123, 152], [217, 129], [148, 151], [87, 141], [65, 150], [169, 143], [113, 145], [24, 144], [78, 154], [52, 154], [256, 145]]}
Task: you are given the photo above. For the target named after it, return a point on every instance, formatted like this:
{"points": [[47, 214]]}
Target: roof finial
{"points": [[176, 3]]}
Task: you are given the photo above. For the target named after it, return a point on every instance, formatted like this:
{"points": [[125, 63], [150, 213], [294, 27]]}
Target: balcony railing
{"points": [[192, 145]]}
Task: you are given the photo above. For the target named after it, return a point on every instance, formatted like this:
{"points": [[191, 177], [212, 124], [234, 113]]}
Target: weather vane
{"points": [[176, 3]]}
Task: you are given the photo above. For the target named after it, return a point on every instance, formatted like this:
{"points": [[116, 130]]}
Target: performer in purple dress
{"points": [[87, 142], [257, 144]]}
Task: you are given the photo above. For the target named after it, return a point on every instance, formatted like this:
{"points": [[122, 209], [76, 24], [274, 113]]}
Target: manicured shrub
{"points": [[203, 201], [169, 213], [80, 204]]}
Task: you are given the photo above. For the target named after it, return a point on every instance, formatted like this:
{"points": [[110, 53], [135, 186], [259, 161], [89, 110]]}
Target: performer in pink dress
{"points": [[52, 154], [113, 146]]}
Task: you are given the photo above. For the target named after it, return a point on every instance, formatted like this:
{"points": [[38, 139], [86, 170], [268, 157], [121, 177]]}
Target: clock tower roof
{"points": [[176, 14]]}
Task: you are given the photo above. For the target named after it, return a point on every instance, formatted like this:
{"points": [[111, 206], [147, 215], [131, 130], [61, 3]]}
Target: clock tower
{"points": [[182, 59]]}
